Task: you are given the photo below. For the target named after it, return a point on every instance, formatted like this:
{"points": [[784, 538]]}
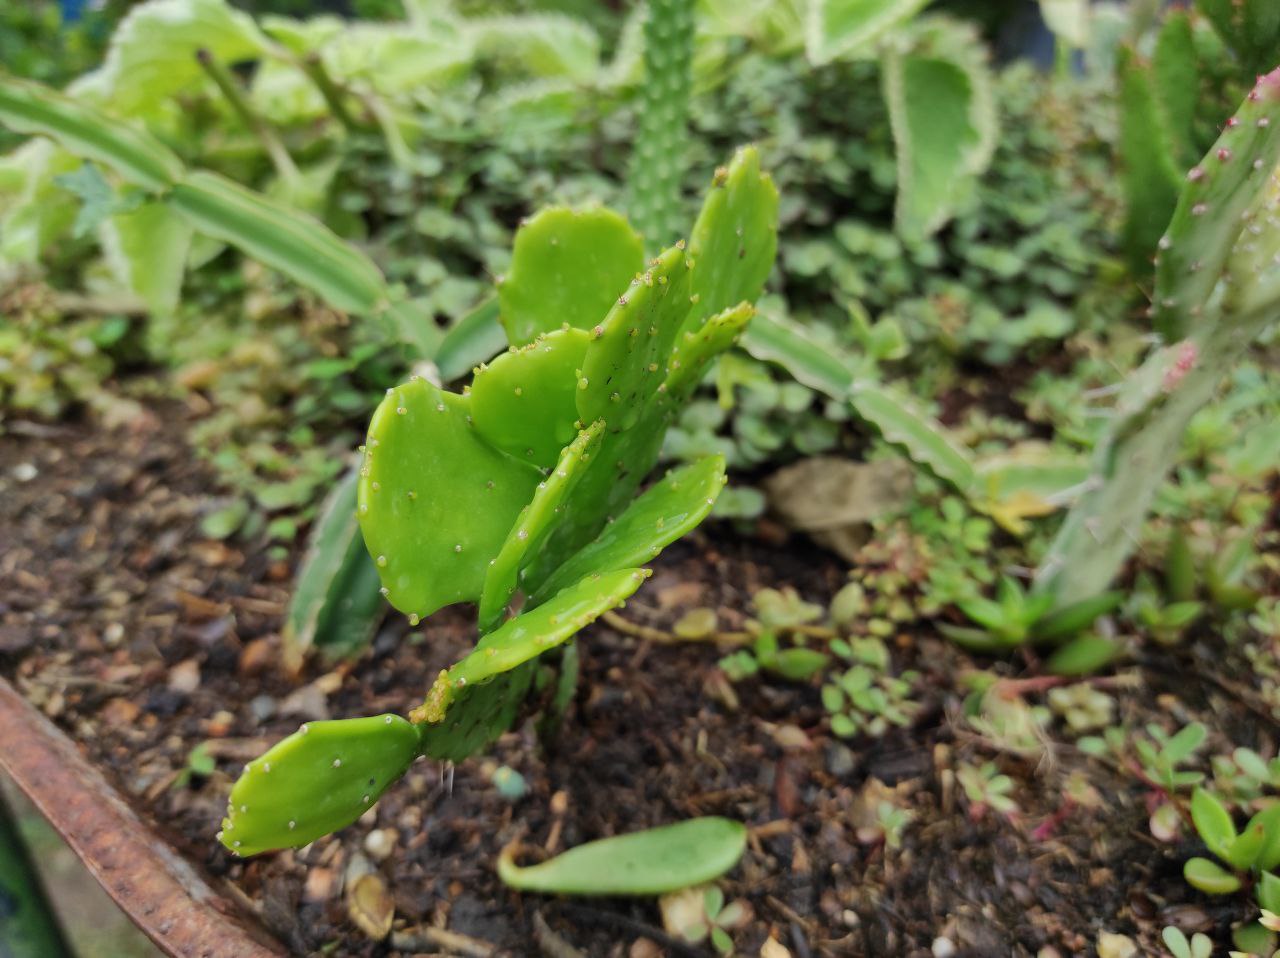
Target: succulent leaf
{"points": [[528, 635], [943, 117], [525, 401], [649, 862], [135, 155], [535, 523], [435, 500], [627, 357], [672, 507], [568, 266], [735, 238], [320, 779], [838, 28], [923, 439], [336, 603]]}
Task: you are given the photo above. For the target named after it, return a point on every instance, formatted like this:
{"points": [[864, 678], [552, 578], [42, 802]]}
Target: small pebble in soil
{"points": [[943, 947]]}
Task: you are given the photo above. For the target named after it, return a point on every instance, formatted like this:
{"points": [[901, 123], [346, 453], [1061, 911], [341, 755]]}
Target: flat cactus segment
{"points": [[435, 500], [535, 522], [527, 636], [525, 401], [735, 239], [695, 350], [1209, 219], [568, 266], [320, 779], [672, 507], [649, 862], [607, 487], [627, 357], [477, 715]]}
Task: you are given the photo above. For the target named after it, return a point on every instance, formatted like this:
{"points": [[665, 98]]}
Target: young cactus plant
{"points": [[521, 491], [1217, 288]]}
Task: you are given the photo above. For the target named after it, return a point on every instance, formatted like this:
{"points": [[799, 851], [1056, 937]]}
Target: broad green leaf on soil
{"points": [[669, 509], [525, 401], [925, 440], [649, 862], [536, 521], [90, 134], [320, 779], [152, 56], [843, 28], [295, 244], [435, 500], [528, 635], [942, 112], [147, 248], [336, 603], [627, 356], [567, 266], [735, 238], [544, 45]]}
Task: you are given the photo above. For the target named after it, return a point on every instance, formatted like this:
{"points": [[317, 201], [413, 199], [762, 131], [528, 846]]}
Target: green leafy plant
{"points": [[986, 787], [1180, 946], [508, 489], [1017, 616], [1251, 854], [867, 699]]}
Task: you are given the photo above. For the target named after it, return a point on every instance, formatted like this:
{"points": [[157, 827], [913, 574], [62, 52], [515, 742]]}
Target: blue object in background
{"points": [[72, 10]]}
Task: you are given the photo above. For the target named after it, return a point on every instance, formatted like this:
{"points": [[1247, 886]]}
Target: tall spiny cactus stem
{"points": [[1217, 288], [658, 160]]}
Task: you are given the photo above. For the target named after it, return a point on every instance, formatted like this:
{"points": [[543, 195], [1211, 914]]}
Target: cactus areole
{"points": [[526, 483]]}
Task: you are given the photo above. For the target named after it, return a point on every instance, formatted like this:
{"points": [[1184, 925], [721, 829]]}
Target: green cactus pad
{"points": [[696, 349], [568, 266], [606, 489], [534, 523], [435, 500], [320, 779], [627, 357], [1217, 195], [649, 862], [524, 402], [735, 238], [669, 509], [527, 636], [477, 715]]}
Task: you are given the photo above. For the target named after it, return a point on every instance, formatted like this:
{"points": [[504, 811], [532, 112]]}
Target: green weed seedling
{"points": [[1018, 616], [1241, 858], [521, 492]]}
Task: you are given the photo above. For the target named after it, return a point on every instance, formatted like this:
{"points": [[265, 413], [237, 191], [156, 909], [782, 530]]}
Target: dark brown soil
{"points": [[144, 640]]}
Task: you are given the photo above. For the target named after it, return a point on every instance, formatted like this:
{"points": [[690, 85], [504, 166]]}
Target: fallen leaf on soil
{"points": [[828, 497], [1115, 946], [370, 905], [772, 948]]}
